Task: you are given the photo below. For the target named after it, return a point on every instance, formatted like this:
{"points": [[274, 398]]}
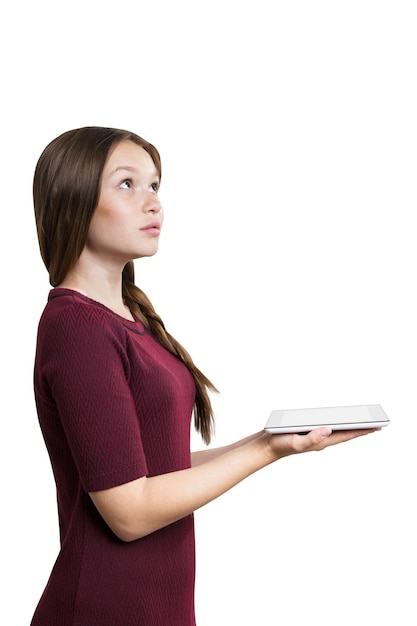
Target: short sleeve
{"points": [[82, 368]]}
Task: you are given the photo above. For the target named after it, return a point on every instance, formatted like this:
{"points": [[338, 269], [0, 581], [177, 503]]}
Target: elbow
{"points": [[128, 531], [127, 511], [122, 512], [127, 535]]}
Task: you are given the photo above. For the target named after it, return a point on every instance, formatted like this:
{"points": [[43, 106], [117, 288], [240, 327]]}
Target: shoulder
{"points": [[71, 317]]}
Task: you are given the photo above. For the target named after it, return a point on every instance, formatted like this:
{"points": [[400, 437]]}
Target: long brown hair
{"points": [[66, 189]]}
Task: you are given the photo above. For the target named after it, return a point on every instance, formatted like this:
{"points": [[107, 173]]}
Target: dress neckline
{"points": [[135, 325]]}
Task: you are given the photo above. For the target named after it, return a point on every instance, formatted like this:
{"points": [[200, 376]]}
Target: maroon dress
{"points": [[113, 406]]}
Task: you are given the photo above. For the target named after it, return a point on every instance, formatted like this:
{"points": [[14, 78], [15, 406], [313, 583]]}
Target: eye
{"points": [[154, 187], [126, 184]]}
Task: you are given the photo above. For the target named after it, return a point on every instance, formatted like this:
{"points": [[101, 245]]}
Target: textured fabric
{"points": [[113, 406]]}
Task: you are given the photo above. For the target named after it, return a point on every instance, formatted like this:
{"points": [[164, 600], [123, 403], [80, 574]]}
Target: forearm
{"points": [[143, 506], [202, 456]]}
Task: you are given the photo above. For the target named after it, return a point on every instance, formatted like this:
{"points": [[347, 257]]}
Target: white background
{"points": [[287, 267]]}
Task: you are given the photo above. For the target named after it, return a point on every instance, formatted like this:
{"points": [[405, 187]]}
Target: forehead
{"points": [[127, 155]]}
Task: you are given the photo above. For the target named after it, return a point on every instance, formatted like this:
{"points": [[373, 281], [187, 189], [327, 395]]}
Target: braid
{"points": [[140, 305]]}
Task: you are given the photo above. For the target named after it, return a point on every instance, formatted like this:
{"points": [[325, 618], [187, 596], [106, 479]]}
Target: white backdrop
{"points": [[287, 267]]}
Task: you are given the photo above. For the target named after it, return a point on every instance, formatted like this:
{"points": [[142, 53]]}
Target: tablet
{"points": [[336, 418]]}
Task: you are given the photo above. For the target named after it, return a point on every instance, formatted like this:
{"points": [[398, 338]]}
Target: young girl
{"points": [[115, 393]]}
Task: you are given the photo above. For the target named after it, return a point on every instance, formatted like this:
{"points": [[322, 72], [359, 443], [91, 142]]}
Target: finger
{"points": [[314, 439], [341, 436]]}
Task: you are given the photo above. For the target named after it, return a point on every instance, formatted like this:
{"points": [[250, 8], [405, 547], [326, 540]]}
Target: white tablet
{"points": [[336, 418]]}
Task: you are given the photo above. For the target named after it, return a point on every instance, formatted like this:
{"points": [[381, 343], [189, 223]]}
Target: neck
{"points": [[98, 283]]}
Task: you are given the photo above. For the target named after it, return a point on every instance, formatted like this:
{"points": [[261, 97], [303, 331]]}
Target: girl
{"points": [[115, 393]]}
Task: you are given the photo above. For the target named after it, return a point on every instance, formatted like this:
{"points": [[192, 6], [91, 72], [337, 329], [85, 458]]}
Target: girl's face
{"points": [[127, 221]]}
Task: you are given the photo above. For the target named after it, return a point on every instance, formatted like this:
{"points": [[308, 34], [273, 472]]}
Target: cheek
{"points": [[103, 227]]}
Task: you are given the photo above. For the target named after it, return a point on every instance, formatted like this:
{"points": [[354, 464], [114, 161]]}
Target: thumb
{"points": [[317, 435]]}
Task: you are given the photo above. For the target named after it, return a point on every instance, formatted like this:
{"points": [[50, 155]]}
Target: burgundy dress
{"points": [[113, 406]]}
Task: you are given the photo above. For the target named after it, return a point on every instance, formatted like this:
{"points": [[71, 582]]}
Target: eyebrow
{"points": [[130, 168]]}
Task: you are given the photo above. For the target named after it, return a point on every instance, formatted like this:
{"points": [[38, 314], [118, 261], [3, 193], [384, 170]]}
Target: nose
{"points": [[153, 205]]}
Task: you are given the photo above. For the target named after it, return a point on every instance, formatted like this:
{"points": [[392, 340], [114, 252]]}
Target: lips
{"points": [[153, 228]]}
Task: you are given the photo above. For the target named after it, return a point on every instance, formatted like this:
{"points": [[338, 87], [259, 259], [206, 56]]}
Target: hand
{"points": [[317, 439]]}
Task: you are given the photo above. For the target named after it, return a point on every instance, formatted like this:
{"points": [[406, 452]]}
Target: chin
{"points": [[145, 254]]}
